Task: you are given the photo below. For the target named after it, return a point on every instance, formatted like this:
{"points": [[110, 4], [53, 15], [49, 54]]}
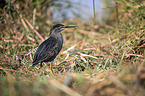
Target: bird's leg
{"points": [[41, 65], [51, 66]]}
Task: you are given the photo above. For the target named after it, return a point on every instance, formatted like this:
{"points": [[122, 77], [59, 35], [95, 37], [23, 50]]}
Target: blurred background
{"points": [[103, 57]]}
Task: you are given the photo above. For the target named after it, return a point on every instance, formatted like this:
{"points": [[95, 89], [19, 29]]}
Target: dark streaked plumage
{"points": [[49, 49]]}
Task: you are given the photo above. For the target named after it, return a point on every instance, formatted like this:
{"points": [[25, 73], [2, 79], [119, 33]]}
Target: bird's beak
{"points": [[70, 27]]}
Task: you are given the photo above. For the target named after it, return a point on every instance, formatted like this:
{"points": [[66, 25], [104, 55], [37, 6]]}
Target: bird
{"points": [[50, 48]]}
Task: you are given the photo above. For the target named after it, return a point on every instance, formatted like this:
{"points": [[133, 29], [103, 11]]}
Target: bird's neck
{"points": [[58, 36]]}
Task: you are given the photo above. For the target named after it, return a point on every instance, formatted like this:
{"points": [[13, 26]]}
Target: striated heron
{"points": [[49, 49]]}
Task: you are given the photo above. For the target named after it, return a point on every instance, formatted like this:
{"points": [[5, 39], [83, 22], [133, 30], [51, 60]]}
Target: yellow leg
{"points": [[51, 67]]}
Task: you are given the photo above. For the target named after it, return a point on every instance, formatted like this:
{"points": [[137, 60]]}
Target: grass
{"points": [[95, 60]]}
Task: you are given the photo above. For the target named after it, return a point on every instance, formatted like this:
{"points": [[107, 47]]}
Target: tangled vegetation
{"points": [[106, 59]]}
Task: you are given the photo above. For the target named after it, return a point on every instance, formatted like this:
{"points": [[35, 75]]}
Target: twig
{"points": [[64, 88], [94, 11], [71, 47], [8, 21], [34, 29], [134, 55], [21, 19], [129, 47], [87, 55], [34, 14]]}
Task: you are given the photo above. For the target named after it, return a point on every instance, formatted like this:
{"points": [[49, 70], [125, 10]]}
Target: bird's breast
{"points": [[60, 38]]}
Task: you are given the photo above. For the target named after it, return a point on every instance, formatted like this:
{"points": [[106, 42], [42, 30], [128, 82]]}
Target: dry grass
{"points": [[95, 59]]}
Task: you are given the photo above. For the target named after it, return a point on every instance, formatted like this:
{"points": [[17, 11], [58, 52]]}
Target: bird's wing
{"points": [[51, 53], [43, 49]]}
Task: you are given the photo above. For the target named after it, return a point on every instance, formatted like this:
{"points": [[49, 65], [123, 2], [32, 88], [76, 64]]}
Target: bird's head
{"points": [[57, 28]]}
